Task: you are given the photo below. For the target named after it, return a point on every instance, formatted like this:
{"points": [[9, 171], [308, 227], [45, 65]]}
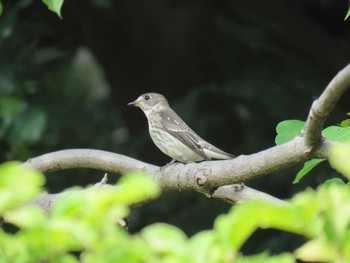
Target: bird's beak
{"points": [[134, 103]]}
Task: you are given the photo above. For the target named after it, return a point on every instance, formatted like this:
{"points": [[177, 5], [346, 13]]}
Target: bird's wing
{"points": [[174, 125]]}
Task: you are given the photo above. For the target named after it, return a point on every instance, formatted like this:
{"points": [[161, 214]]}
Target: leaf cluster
{"points": [[289, 129], [82, 224]]}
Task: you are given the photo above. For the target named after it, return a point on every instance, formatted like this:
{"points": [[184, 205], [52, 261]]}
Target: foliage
{"points": [[308, 166], [48, 89], [80, 221], [345, 123], [82, 224], [55, 6], [347, 14], [339, 158], [289, 129]]}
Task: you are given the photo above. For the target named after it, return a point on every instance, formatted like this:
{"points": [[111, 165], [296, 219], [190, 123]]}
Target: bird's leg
{"points": [[170, 163]]}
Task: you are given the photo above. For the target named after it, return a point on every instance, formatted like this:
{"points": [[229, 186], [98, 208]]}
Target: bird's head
{"points": [[150, 101]]}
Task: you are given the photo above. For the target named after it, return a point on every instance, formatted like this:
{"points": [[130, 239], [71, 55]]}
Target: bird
{"points": [[172, 135]]}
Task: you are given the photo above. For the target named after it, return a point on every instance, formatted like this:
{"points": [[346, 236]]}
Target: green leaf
{"points": [[10, 105], [308, 166], [345, 123], [26, 217], [202, 247], [288, 130], [46, 55], [266, 258], [334, 181], [337, 134], [104, 205], [236, 227], [333, 133], [316, 250], [136, 187], [347, 14], [0, 8], [339, 158], [10, 108], [164, 239], [18, 184], [54, 5], [28, 127]]}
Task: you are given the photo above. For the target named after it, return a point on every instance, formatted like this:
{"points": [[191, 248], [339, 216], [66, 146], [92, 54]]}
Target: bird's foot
{"points": [[168, 164]]}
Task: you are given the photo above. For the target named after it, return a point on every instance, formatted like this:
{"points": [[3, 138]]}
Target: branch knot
{"points": [[201, 180]]}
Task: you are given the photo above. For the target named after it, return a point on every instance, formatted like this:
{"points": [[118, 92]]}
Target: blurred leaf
{"points": [[101, 202], [316, 250], [308, 166], [336, 181], [322, 216], [136, 187], [266, 258], [345, 123], [109, 202], [17, 184], [288, 130], [235, 228], [48, 54], [0, 8], [26, 217], [205, 244], [10, 105], [102, 3], [339, 158], [54, 6], [347, 14], [28, 127], [164, 239], [337, 134]]}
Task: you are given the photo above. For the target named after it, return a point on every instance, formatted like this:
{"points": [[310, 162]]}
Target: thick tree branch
{"points": [[85, 158], [213, 174], [116, 163], [323, 106], [219, 179]]}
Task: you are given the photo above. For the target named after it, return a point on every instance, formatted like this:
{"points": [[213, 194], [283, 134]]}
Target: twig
{"points": [[323, 106]]}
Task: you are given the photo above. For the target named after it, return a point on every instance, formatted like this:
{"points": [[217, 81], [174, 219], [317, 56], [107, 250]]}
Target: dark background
{"points": [[231, 69]]}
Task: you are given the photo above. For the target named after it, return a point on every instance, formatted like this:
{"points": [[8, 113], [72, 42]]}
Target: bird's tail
{"points": [[214, 153]]}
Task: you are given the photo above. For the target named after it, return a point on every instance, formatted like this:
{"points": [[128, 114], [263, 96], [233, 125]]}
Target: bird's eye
{"points": [[147, 97]]}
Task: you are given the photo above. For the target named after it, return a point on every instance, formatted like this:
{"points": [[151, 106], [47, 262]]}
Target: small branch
{"points": [[45, 200], [238, 193], [86, 158], [323, 106]]}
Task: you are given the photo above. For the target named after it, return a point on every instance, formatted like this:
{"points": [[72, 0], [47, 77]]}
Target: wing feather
{"points": [[174, 125]]}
